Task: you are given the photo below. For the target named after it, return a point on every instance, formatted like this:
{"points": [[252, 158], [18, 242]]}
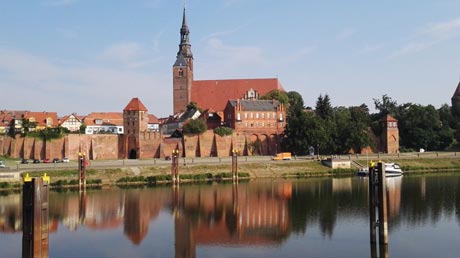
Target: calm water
{"points": [[322, 217]]}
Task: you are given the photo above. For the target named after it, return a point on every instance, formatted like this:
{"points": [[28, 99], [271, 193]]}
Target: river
{"points": [[317, 217]]}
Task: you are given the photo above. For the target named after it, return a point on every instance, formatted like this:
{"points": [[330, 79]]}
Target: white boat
{"points": [[391, 169]]}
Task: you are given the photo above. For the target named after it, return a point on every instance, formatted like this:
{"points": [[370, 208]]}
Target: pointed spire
{"points": [[184, 46], [457, 91]]}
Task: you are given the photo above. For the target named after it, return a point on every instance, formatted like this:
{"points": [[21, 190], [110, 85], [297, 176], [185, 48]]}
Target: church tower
{"points": [[183, 70]]}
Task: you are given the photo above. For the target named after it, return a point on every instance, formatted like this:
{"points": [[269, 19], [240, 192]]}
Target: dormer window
{"points": [[98, 121]]}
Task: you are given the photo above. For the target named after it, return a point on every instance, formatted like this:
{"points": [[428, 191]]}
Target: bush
{"points": [[223, 131], [196, 126]]}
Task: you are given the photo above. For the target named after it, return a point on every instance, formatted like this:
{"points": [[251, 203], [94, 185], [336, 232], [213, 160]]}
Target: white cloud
{"points": [[220, 60], [45, 85], [345, 34], [156, 42], [442, 30], [59, 2], [125, 51], [429, 36], [371, 48], [67, 33], [231, 54]]}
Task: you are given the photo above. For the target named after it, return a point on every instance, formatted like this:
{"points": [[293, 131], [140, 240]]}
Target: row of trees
{"points": [[337, 130]]}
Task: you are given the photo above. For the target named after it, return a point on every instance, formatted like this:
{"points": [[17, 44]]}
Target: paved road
{"points": [[14, 166]]}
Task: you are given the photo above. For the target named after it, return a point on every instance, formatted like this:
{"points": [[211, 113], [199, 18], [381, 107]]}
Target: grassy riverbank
{"points": [[218, 172]]}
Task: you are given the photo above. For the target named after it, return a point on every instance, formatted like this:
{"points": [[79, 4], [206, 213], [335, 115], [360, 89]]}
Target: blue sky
{"points": [[95, 55]]}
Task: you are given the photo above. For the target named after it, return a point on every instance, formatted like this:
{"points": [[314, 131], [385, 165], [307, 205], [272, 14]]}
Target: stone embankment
{"points": [[110, 172]]}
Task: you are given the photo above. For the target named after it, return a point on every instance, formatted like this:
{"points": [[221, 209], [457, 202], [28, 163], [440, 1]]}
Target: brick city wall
{"points": [[151, 145]]}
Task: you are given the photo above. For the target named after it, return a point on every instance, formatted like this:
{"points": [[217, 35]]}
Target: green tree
{"points": [[82, 129], [323, 107], [193, 106], [386, 106], [196, 126], [281, 96], [421, 127]]}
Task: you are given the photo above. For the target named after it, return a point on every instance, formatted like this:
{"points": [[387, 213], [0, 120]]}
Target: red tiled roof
{"points": [[135, 105], [115, 118], [389, 118], [8, 115], [153, 119], [64, 118], [214, 94], [41, 117]]}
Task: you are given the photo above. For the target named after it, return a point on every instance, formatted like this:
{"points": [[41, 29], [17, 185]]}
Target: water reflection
{"points": [[258, 214]]}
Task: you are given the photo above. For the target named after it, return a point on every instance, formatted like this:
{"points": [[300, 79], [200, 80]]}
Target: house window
{"points": [[268, 124], [238, 117], [246, 124], [252, 115], [268, 115], [245, 115], [257, 115], [263, 124], [274, 115], [263, 115], [49, 122]]}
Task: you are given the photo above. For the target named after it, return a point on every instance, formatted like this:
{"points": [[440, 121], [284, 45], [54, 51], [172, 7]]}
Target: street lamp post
{"points": [[317, 149], [235, 166]]}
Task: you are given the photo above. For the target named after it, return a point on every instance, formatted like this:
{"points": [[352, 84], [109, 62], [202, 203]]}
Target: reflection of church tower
{"points": [[184, 239], [390, 135], [183, 70], [135, 122]]}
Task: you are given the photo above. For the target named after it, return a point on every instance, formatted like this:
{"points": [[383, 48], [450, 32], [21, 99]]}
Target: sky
{"points": [[82, 56]]}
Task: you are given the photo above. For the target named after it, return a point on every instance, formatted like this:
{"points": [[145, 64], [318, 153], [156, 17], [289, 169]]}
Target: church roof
{"points": [[135, 105], [214, 94], [255, 105], [180, 61]]}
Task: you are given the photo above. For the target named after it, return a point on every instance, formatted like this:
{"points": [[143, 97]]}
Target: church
{"points": [[210, 94]]}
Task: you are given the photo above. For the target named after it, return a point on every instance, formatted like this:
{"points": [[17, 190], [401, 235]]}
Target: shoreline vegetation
{"points": [[132, 176]]}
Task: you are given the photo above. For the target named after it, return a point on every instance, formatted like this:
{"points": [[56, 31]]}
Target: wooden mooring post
{"points": [[81, 171], [235, 166], [378, 215], [35, 243], [175, 167]]}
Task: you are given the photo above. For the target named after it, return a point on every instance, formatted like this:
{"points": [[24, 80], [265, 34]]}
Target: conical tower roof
{"points": [[135, 105]]}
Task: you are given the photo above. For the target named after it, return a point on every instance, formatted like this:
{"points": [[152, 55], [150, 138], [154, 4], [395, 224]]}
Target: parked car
{"points": [[65, 160], [46, 161], [2, 164], [36, 161], [56, 160], [24, 161]]}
